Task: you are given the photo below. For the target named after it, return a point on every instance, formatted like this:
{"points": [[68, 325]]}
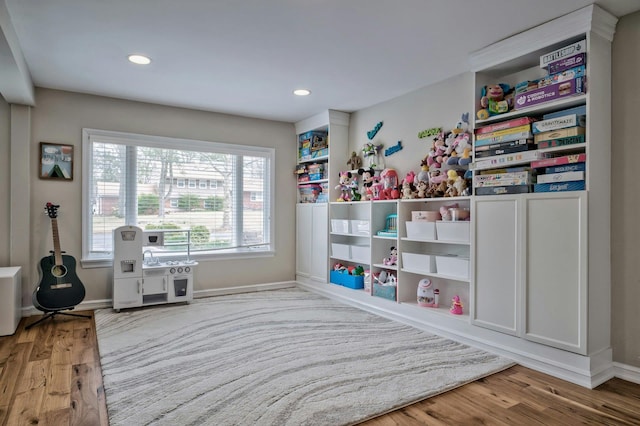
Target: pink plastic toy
{"points": [[456, 306]]}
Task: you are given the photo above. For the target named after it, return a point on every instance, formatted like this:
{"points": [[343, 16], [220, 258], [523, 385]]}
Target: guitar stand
{"points": [[52, 314]]}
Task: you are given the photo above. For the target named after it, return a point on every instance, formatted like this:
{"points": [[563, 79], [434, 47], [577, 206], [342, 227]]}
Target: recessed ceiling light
{"points": [[139, 59], [302, 92]]}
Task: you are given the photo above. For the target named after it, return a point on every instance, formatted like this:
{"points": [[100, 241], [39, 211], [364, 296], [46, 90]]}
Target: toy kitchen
{"points": [[142, 275]]}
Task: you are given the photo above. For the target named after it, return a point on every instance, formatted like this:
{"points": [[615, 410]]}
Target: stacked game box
{"points": [[506, 137], [513, 180], [561, 128], [558, 174], [498, 145], [566, 76]]}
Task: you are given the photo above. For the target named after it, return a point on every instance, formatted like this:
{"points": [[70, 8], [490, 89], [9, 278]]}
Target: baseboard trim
{"points": [[87, 305], [90, 305], [627, 372], [585, 371]]}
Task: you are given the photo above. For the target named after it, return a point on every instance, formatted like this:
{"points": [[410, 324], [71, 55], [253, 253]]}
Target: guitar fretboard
{"points": [[56, 241]]}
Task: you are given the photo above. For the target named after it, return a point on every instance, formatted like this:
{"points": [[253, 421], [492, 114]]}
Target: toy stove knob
{"points": [[187, 269], [172, 270], [180, 269]]}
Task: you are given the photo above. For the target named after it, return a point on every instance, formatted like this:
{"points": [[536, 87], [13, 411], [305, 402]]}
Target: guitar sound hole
{"points": [[58, 271]]}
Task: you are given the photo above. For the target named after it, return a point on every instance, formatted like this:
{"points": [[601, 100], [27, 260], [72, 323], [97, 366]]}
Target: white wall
{"points": [[5, 123], [625, 195], [438, 105], [60, 116]]}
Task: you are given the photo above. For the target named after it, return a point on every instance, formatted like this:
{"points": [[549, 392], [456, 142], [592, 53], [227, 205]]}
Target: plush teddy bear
{"points": [[495, 99], [422, 188]]}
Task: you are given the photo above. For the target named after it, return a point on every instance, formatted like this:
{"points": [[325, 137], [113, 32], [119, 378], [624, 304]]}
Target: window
{"points": [[202, 184], [213, 184], [128, 179]]}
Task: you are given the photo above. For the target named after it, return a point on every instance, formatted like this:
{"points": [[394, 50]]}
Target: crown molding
{"points": [[580, 22]]}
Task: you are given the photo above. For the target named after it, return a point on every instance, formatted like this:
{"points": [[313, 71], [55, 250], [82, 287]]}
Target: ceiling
{"points": [[245, 57]]}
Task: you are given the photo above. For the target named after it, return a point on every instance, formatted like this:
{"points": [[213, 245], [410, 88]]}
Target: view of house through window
{"points": [[219, 192]]}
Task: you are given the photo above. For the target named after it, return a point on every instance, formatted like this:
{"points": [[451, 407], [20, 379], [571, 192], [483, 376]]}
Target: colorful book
{"points": [[559, 186], [560, 177], [571, 120], [516, 122], [505, 150], [558, 134], [500, 190], [558, 161]]}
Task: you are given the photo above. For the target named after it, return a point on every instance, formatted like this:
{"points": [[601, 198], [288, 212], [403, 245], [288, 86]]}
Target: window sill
{"points": [[204, 257]]}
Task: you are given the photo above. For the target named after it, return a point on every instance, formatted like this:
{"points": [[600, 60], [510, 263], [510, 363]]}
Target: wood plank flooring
{"points": [[50, 375]]}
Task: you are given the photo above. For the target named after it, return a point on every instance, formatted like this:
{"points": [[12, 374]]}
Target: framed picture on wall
{"points": [[56, 161]]}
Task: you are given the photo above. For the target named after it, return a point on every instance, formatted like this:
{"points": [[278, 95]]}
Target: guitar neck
{"points": [[56, 241]]}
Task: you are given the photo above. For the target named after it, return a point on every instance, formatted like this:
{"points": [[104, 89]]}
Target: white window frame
{"points": [[192, 184], [106, 136], [202, 184], [180, 183]]}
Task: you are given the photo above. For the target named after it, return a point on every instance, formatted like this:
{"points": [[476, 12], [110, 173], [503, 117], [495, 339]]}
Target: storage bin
{"points": [[360, 227], [346, 280], [457, 231], [361, 253], [453, 266], [419, 230], [341, 251], [384, 291], [340, 226], [425, 215], [419, 262]]}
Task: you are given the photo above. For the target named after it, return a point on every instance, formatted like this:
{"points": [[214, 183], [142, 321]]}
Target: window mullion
{"points": [[131, 180]]}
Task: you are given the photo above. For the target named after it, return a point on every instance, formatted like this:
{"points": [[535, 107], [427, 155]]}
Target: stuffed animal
{"points": [[368, 179], [407, 191], [344, 185], [421, 189], [495, 99], [392, 259]]}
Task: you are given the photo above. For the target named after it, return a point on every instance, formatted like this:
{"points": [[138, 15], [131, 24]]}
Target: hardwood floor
{"points": [[50, 375]]}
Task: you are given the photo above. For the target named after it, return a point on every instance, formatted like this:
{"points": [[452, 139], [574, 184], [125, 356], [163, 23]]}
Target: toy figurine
{"points": [[372, 152], [390, 185], [392, 259], [456, 306], [355, 162]]}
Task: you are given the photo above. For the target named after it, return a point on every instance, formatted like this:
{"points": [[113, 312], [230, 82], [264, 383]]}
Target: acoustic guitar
{"points": [[59, 287]]}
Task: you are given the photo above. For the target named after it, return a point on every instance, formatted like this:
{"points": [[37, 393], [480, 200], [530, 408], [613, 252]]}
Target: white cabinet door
{"points": [[312, 234], [319, 242], [304, 223], [154, 285], [127, 292], [497, 263], [555, 290]]}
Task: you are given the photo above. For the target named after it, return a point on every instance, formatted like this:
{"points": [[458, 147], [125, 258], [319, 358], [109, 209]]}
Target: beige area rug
{"points": [[283, 357]]}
